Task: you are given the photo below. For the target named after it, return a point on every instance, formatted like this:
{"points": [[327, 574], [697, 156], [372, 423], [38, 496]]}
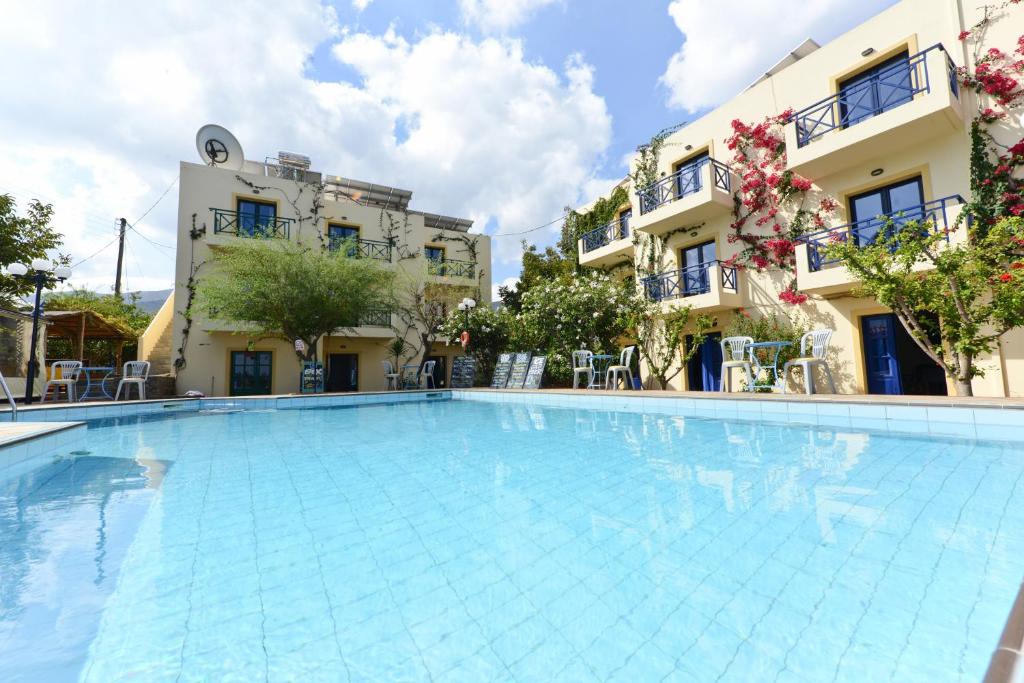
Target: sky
{"points": [[502, 111]]}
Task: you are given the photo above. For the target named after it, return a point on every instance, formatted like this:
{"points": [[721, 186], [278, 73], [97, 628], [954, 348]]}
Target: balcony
{"points": [[608, 245], [690, 195], [901, 106], [710, 286], [818, 273], [227, 222], [447, 267], [360, 248]]}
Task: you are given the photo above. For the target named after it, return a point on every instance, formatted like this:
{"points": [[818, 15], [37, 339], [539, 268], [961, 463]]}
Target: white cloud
{"points": [[511, 282], [726, 46], [497, 16], [360, 5], [109, 96]]}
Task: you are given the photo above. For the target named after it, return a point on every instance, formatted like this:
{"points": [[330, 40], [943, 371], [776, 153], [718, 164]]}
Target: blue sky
{"points": [[503, 111]]}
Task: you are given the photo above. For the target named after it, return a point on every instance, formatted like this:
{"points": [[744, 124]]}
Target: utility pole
{"points": [[120, 258]]}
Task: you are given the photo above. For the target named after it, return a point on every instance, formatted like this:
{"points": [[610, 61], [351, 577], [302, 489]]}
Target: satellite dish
{"points": [[218, 147]]}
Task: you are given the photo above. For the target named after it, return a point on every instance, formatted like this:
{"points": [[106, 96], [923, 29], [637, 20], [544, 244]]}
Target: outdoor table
{"points": [[401, 376], [102, 383], [772, 349], [601, 361]]}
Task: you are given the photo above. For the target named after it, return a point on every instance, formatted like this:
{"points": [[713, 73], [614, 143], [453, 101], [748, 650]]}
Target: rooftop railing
{"points": [[245, 224], [686, 181], [360, 248], [869, 230], [689, 281], [886, 90], [606, 234], [451, 268]]}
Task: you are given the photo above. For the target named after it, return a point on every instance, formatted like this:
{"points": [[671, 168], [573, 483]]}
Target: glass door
{"points": [[695, 261], [904, 197], [251, 373]]}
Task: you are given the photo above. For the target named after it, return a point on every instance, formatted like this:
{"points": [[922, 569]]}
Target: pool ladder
{"points": [[10, 398]]}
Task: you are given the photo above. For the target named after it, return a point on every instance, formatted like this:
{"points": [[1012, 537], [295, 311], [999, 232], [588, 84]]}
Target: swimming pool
{"points": [[462, 540]]}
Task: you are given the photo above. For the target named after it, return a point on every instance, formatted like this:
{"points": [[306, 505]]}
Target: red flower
{"points": [[1005, 277], [1016, 265], [1017, 209], [963, 35], [800, 183], [1017, 149]]}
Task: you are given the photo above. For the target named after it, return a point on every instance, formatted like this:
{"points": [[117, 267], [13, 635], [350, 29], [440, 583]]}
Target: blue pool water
{"points": [[463, 541]]}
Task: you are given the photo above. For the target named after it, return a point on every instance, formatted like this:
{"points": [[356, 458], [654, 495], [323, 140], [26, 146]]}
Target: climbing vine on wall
{"points": [[303, 218], [771, 206], [996, 78], [579, 223], [190, 287]]}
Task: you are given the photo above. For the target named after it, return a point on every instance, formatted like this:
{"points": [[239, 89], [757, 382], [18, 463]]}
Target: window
{"points": [[906, 196], [251, 373], [435, 260], [694, 264], [688, 175], [256, 219], [336, 234], [879, 89], [624, 219]]}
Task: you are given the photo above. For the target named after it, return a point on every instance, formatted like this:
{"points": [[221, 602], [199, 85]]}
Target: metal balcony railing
{"points": [[245, 224], [606, 234], [686, 181], [360, 248], [886, 90], [376, 317], [451, 268], [689, 281], [868, 230]]}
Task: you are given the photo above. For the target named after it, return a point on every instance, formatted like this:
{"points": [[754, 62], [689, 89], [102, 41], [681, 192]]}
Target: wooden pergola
{"points": [[81, 325]]}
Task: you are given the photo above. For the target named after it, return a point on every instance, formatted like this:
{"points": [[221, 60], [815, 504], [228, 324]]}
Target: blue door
{"points": [[704, 371], [883, 368]]}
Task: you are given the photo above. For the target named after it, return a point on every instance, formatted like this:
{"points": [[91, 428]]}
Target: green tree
{"points": [[490, 333], [973, 291], [290, 292], [667, 341], [23, 238], [422, 308]]}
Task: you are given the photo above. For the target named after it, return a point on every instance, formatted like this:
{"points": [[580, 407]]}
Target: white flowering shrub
{"points": [[587, 311]]}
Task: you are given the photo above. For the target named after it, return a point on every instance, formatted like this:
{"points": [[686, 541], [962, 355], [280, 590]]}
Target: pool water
{"points": [[464, 541]]}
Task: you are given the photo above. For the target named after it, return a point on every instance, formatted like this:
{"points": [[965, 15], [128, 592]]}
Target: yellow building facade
{"points": [[283, 200], [902, 144]]}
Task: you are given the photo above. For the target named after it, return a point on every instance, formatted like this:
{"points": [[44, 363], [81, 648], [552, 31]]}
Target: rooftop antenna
{"points": [[218, 147]]}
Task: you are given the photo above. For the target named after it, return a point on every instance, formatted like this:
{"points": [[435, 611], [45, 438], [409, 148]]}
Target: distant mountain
{"points": [[151, 301]]}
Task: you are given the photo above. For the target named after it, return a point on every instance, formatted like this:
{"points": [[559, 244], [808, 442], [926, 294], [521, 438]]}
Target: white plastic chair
{"points": [[427, 375], [582, 364], [390, 376], [135, 372], [734, 355], [813, 348], [69, 371], [622, 370]]}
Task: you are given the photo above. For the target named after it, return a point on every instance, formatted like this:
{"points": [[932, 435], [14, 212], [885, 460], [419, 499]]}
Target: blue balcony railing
{"points": [[245, 224], [869, 230], [360, 248], [689, 281], [606, 234], [888, 89], [686, 181]]}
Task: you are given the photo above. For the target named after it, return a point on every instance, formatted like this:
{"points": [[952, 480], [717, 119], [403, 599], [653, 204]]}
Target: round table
{"points": [[108, 373], [772, 349], [601, 361]]}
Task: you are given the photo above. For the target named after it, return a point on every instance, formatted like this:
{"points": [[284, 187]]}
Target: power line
{"points": [[95, 253], [158, 200], [523, 232], [153, 242]]}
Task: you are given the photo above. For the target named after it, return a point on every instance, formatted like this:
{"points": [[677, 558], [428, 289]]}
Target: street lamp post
{"points": [[466, 305], [39, 273]]}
